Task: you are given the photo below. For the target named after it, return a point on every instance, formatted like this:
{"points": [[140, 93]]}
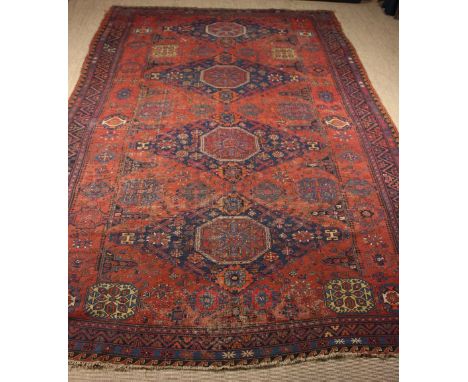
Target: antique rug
{"points": [[233, 193]]}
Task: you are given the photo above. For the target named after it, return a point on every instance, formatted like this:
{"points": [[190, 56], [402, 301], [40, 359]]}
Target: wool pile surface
{"points": [[233, 193]]}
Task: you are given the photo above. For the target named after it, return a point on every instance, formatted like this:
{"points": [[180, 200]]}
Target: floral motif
{"points": [[261, 299], [390, 297], [234, 279], [124, 93], [208, 301], [233, 204]]}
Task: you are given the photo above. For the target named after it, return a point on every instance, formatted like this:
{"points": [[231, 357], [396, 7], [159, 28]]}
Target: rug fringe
{"points": [[123, 365]]}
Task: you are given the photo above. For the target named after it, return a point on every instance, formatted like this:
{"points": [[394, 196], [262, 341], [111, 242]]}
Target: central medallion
{"points": [[225, 76], [231, 152], [226, 29], [231, 240], [229, 144]]}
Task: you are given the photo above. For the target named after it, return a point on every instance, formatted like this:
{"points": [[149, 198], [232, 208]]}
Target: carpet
{"points": [[233, 193]]}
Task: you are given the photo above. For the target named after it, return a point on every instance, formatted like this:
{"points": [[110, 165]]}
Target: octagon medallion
{"points": [[229, 144], [230, 240], [225, 76], [225, 29]]}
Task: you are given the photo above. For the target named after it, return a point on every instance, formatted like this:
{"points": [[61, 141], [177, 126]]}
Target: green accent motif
{"points": [[116, 301], [349, 296]]}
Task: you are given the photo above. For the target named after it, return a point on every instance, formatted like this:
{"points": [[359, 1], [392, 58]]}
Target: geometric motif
{"points": [[120, 216], [250, 237], [284, 54], [105, 156], [232, 204], [207, 301], [213, 30], [165, 50], [317, 190], [117, 301], [130, 165], [154, 110], [225, 29], [97, 189], [295, 111], [267, 191], [228, 152], [114, 121], [234, 279], [337, 123], [326, 96], [87, 217], [195, 191], [224, 77], [359, 187], [109, 262], [349, 296], [390, 297], [229, 144], [232, 240], [74, 298], [140, 192]]}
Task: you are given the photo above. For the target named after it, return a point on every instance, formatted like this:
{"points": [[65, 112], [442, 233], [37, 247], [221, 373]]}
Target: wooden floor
{"points": [[373, 34]]}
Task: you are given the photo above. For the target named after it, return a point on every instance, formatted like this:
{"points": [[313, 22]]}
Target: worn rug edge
{"points": [[121, 366]]}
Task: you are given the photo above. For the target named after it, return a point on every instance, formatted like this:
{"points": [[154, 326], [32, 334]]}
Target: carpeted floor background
{"points": [[375, 37], [337, 370]]}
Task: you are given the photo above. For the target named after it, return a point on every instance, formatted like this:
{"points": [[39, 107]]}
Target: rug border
{"points": [[92, 46], [84, 360], [368, 83]]}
